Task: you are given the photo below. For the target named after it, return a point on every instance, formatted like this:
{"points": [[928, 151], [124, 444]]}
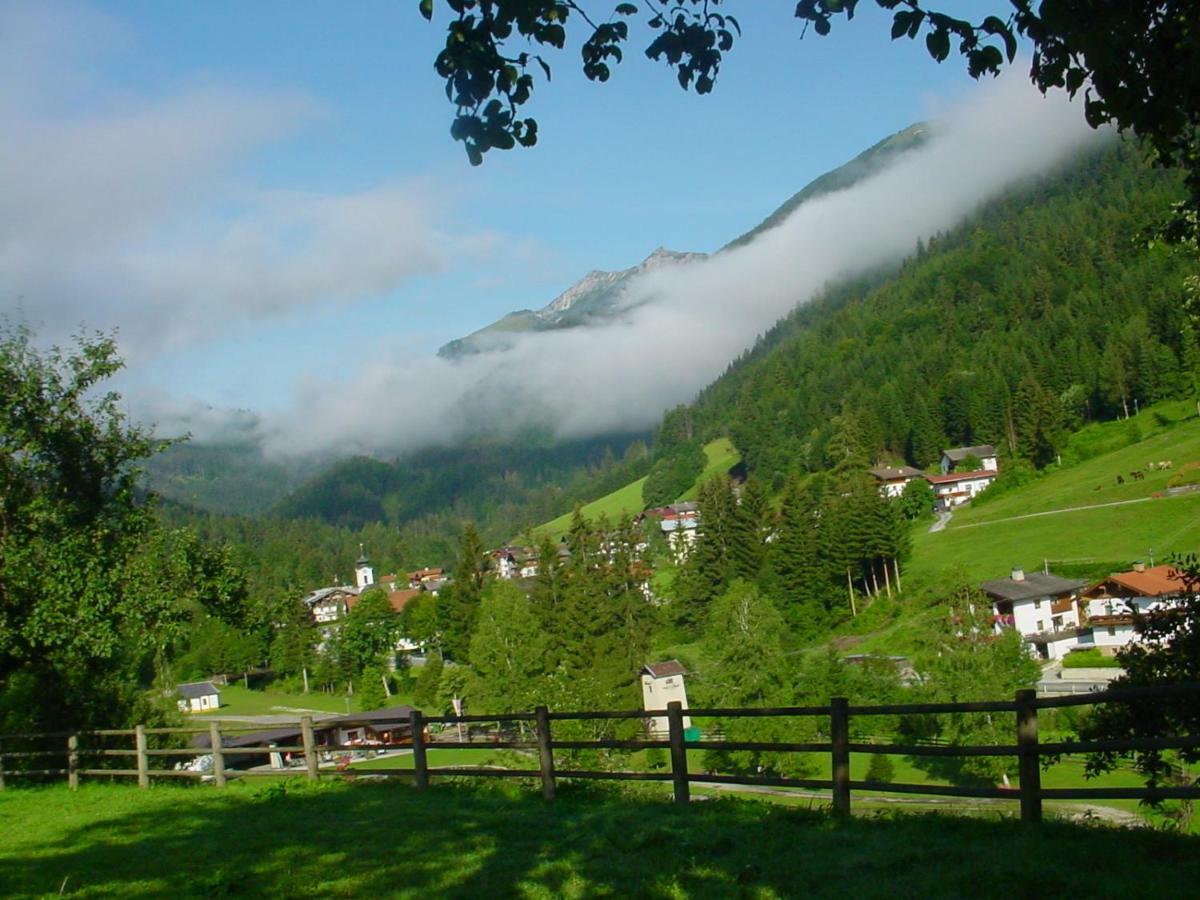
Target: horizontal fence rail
{"points": [[75, 754]]}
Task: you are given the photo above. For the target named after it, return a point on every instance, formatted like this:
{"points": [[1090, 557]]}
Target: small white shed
{"points": [[198, 696], [662, 683]]}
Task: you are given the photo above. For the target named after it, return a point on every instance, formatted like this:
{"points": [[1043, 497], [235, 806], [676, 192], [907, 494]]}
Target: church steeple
{"points": [[364, 574]]}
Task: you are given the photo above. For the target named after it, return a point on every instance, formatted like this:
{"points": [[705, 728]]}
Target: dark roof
{"points": [[663, 669], [889, 473], [1032, 586], [195, 689], [249, 739], [958, 454]]}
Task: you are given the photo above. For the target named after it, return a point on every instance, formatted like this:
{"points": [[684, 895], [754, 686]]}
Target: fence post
{"points": [[420, 766], [143, 761], [218, 753], [839, 739], [679, 762], [1028, 764], [1, 771], [310, 748], [545, 752], [73, 762]]}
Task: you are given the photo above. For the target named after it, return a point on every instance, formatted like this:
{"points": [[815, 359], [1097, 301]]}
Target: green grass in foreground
{"points": [[384, 839]]}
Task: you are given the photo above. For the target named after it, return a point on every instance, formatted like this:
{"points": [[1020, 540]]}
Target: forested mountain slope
{"points": [[1047, 310]]}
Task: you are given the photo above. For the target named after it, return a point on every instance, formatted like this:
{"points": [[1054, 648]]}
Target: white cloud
{"points": [[128, 211], [622, 376]]}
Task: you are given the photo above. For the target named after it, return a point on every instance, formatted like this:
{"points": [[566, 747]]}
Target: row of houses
{"points": [[1057, 615], [954, 484]]}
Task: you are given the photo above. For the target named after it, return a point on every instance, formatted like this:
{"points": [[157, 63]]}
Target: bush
{"points": [[1090, 659], [881, 769]]}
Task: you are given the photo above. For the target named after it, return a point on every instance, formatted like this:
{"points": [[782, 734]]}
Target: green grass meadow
{"points": [[1064, 517], [627, 500], [385, 839]]}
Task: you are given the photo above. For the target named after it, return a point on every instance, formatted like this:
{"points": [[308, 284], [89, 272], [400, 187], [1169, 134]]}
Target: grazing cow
{"points": [[1120, 480], [1166, 464], [1137, 475], [1151, 466]]}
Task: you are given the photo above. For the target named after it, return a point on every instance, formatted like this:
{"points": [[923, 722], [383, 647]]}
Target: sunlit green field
{"points": [[627, 501]]}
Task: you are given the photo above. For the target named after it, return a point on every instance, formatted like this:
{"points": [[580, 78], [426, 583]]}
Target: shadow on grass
{"points": [[385, 839]]}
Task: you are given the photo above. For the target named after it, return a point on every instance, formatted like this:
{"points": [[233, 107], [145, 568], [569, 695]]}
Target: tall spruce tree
{"points": [[459, 603]]}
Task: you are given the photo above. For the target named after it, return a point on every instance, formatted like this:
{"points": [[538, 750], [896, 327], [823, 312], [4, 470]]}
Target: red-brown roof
{"points": [[398, 599], [1153, 582]]}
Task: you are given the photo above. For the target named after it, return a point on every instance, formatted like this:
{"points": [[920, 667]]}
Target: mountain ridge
{"points": [[594, 297]]}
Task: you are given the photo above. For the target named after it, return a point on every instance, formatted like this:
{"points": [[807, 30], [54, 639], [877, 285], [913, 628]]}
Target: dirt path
{"points": [[1055, 512], [1074, 811]]}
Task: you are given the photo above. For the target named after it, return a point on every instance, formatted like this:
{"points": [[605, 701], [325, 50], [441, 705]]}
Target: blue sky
{"points": [[263, 196]]}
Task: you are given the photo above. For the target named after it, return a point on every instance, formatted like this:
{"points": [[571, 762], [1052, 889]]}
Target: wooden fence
{"points": [[839, 713]]}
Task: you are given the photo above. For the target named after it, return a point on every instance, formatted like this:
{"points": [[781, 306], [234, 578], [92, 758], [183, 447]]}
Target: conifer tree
{"points": [[751, 525], [802, 582], [459, 603]]}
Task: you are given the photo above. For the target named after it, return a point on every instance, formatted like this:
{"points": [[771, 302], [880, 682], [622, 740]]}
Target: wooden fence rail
{"points": [[72, 748]]}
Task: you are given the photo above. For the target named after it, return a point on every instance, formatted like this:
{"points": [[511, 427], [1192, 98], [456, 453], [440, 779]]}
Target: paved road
{"points": [[942, 519]]}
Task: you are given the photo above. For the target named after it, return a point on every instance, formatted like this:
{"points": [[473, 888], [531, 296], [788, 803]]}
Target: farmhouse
{"points": [[514, 562], [893, 480], [680, 523], [957, 488], [198, 696], [662, 683], [952, 460], [1109, 605], [1043, 608]]}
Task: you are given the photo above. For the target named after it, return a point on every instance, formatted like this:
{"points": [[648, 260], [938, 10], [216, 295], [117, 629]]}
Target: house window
{"points": [[1112, 632], [1037, 604], [1041, 625], [1057, 622]]}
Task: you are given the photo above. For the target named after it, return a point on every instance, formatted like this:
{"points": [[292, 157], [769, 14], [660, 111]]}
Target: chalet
{"points": [[680, 522], [662, 683], [376, 726], [198, 696], [1043, 608], [952, 460], [330, 604], [957, 488], [1110, 604], [424, 576], [893, 480], [514, 562]]}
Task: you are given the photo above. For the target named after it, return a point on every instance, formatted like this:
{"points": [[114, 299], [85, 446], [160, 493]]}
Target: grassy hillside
{"points": [[627, 500], [1077, 517], [373, 839]]}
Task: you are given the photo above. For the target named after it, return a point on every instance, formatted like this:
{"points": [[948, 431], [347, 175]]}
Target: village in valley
{"points": [[1072, 627]]}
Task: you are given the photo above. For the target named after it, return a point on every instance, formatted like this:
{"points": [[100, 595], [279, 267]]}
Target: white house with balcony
{"points": [[957, 488], [1109, 605], [1043, 608]]}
